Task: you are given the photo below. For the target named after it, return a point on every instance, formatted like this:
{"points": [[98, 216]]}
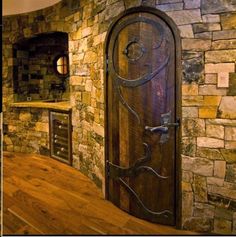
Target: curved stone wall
{"points": [[208, 32]]}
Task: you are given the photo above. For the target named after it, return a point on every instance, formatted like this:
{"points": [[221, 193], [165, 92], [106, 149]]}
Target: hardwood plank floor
{"points": [[43, 196]]}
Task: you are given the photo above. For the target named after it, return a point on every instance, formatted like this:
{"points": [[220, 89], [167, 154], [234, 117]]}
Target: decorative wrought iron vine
{"points": [[120, 81]]}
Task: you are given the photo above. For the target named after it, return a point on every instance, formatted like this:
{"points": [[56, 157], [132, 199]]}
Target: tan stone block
{"points": [[197, 165], [86, 32], [86, 98], [41, 127], [97, 40], [209, 153], [88, 85], [219, 169], [230, 133], [232, 84], [225, 122], [187, 176], [186, 187], [115, 9], [200, 188], [222, 191], [211, 90], [223, 79], [98, 129], [215, 181], [202, 209], [191, 4], [191, 89], [189, 112], [224, 44], [82, 46], [76, 80], [229, 155], [206, 27], [211, 100], [185, 17], [90, 57], [230, 145], [189, 146], [224, 34], [74, 58], [170, 7], [227, 108], [12, 128], [196, 44], [228, 21], [187, 204], [211, 78], [7, 140], [218, 56], [193, 127], [95, 29], [25, 116], [222, 226], [77, 16], [210, 142], [96, 116], [215, 131], [203, 35], [186, 31], [207, 112], [76, 35], [192, 100], [219, 67], [211, 18]]}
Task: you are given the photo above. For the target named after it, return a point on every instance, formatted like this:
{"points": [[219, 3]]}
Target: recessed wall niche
{"points": [[34, 72]]}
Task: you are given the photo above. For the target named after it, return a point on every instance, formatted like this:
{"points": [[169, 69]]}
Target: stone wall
{"points": [[34, 70], [208, 33], [27, 131]]}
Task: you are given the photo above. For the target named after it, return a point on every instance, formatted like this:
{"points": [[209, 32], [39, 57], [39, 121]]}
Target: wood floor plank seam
{"points": [[27, 222]]}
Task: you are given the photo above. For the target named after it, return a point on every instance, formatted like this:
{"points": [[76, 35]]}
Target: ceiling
{"points": [[11, 7]]}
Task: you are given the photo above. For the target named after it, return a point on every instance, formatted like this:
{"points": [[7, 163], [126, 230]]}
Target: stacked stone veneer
{"points": [[208, 38], [27, 131], [33, 69]]}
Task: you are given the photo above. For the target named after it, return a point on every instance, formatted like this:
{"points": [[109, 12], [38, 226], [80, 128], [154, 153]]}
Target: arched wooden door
{"points": [[142, 125]]}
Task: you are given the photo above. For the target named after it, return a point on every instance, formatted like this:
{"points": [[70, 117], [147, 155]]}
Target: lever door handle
{"points": [[163, 128]]}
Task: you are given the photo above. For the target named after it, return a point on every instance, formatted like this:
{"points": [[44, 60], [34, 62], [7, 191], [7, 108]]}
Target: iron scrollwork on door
{"points": [[136, 43], [117, 172]]}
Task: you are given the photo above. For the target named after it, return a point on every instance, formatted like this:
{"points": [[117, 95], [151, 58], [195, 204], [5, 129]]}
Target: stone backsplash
{"points": [[34, 70], [208, 38], [27, 131]]}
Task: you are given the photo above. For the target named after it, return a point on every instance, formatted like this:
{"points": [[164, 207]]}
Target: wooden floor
{"points": [[43, 196]]}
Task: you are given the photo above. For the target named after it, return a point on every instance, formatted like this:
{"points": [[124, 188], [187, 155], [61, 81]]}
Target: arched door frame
{"points": [[177, 39]]}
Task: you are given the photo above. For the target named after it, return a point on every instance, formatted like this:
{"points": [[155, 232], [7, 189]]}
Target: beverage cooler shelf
{"points": [[60, 135]]}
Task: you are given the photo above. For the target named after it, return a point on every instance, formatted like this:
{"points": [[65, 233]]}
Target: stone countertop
{"points": [[62, 105]]}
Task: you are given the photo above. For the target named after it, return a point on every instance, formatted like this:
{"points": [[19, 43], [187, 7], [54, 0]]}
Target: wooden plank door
{"points": [[141, 117]]}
